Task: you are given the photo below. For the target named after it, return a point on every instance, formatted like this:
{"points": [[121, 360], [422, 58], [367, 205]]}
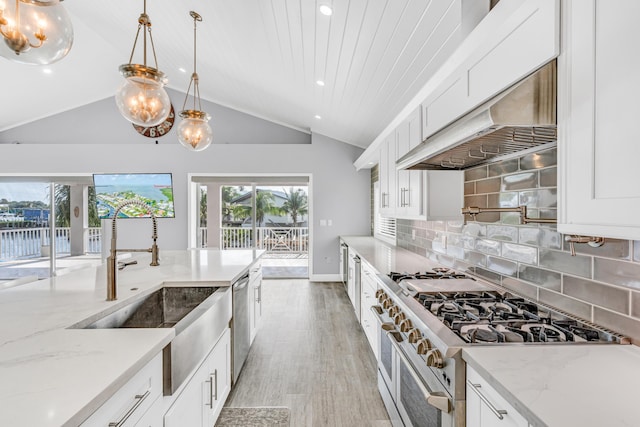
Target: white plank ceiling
{"points": [[261, 57]]}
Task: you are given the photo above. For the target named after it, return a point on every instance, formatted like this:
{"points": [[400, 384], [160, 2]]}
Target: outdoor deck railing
{"points": [[272, 239], [28, 242]]}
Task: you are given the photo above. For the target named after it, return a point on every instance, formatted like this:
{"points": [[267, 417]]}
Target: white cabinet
{"points": [[368, 299], [513, 40], [409, 188], [255, 296], [424, 195], [486, 407], [598, 92], [129, 405], [200, 402], [387, 176]]}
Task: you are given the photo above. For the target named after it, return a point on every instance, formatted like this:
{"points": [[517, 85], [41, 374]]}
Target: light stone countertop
{"points": [[53, 376], [551, 385], [385, 258], [565, 385]]}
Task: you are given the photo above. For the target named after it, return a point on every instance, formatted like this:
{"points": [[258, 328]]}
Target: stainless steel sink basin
{"points": [[163, 308], [199, 315]]}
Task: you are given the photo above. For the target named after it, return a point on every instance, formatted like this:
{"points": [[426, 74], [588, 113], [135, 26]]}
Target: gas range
{"points": [[483, 314], [431, 316]]}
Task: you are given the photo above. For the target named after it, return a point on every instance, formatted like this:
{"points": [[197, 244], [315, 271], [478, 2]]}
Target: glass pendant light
{"points": [[141, 98], [194, 131], [35, 32]]}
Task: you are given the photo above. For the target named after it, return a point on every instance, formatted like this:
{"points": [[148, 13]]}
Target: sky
{"points": [[28, 191]]}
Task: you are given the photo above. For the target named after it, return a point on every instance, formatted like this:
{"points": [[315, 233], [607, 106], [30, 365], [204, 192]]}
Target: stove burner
{"points": [[493, 317], [437, 273], [484, 335]]}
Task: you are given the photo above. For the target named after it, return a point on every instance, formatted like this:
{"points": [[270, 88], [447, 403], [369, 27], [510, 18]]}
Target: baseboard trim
{"points": [[325, 277]]}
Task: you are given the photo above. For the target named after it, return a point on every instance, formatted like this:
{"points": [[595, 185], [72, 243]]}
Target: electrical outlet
{"points": [[413, 234], [443, 241]]}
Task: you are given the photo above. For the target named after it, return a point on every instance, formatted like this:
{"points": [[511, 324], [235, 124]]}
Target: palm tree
{"points": [[62, 200], [265, 204], [295, 204]]}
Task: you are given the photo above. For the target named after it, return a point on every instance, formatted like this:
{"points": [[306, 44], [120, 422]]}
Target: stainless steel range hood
{"points": [[521, 118]]}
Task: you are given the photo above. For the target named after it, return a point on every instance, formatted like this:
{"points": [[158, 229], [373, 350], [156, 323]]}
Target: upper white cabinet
{"points": [[426, 195], [387, 176], [409, 189], [516, 38], [598, 92]]}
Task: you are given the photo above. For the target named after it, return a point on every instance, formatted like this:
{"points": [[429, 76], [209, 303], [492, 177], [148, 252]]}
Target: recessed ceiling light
{"points": [[318, 117], [320, 82], [47, 70], [182, 70], [326, 10]]}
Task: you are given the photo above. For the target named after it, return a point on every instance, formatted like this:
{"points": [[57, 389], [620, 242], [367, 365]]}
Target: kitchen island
{"points": [[52, 374]]}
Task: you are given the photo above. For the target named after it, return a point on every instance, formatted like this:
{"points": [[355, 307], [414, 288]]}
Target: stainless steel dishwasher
{"points": [[240, 325]]}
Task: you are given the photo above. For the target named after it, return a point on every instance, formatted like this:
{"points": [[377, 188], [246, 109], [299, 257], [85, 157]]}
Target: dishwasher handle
{"points": [[241, 283]]}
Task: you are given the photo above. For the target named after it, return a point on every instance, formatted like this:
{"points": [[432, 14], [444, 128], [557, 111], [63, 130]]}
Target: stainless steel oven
{"points": [[411, 392]]}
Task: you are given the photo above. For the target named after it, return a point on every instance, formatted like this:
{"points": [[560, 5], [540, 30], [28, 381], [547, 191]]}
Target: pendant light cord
{"points": [[194, 77]]}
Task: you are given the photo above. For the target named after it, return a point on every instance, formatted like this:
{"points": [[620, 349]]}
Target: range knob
{"points": [[424, 345], [434, 359], [379, 292], [414, 335], [387, 303], [405, 325], [393, 310], [381, 297], [398, 318]]}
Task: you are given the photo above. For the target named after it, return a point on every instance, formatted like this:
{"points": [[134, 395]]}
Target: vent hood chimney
{"points": [[520, 118]]}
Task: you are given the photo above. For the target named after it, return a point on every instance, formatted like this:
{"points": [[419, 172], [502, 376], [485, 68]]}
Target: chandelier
{"points": [[36, 32], [194, 131], [141, 98]]}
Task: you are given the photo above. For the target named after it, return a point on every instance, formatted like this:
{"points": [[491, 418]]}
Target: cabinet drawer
{"points": [[485, 404], [128, 405]]}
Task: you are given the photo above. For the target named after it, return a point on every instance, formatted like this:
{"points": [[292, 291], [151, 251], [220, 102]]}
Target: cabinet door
{"points": [[201, 400], [598, 108], [388, 176], [410, 190], [486, 407], [255, 299], [217, 387]]}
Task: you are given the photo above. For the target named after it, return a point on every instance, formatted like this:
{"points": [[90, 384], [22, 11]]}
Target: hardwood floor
{"points": [[312, 356]]}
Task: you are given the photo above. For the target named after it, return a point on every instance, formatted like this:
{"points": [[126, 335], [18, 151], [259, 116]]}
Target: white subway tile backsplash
{"points": [[490, 247], [599, 284], [502, 232], [520, 253]]}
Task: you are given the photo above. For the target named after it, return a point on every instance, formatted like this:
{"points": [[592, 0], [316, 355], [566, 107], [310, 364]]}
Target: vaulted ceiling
{"points": [[262, 57]]}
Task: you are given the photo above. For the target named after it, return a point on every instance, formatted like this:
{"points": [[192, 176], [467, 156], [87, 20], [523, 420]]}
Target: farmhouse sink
{"points": [[199, 315], [164, 308]]}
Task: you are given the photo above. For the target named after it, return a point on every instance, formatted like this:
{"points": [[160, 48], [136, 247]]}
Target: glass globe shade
{"points": [[143, 101], [195, 133], [47, 17]]}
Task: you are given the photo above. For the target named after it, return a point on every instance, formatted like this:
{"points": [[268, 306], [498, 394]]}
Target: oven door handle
{"points": [[437, 400]]}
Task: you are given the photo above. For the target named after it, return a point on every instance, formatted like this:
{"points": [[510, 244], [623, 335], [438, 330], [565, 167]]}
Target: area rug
{"points": [[283, 272], [254, 417]]}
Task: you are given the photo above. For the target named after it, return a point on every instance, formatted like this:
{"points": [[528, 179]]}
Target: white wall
{"points": [[339, 192]]}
